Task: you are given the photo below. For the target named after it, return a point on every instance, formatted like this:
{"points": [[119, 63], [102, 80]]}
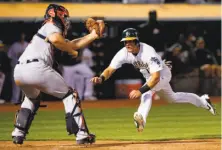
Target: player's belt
{"points": [[29, 61], [43, 37]]}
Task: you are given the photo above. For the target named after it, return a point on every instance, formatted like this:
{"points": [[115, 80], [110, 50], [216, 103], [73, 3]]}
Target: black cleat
{"points": [[18, 139], [88, 140]]}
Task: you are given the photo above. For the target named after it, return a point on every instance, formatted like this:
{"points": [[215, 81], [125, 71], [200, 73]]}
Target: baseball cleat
{"points": [[210, 106], [18, 139], [88, 140], [138, 120]]}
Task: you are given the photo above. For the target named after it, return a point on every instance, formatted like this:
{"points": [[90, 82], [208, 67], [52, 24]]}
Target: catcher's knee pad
{"points": [[25, 116], [75, 121]]}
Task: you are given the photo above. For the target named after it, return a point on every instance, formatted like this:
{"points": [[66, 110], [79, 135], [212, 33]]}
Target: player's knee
{"points": [[32, 104], [71, 92], [171, 98], [171, 101]]}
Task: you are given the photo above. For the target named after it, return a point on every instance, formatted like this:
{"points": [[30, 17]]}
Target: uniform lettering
{"points": [[140, 65]]}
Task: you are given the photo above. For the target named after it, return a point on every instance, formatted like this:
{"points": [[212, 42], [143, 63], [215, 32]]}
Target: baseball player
{"points": [[34, 74], [157, 76]]}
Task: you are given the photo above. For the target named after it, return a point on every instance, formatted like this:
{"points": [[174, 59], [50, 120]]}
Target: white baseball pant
{"points": [[164, 90]]}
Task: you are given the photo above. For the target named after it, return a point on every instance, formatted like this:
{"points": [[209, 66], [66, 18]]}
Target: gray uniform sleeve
{"points": [[48, 29], [51, 28]]}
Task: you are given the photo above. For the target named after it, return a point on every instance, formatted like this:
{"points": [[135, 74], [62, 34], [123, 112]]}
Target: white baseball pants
{"points": [[164, 90]]}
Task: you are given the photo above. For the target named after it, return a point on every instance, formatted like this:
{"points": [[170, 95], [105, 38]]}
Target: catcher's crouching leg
{"points": [[23, 119], [75, 121]]}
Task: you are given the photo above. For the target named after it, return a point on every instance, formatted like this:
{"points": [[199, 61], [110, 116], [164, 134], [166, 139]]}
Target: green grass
{"points": [[174, 121]]}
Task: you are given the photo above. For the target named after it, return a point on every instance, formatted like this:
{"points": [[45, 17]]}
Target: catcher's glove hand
{"points": [[97, 25]]}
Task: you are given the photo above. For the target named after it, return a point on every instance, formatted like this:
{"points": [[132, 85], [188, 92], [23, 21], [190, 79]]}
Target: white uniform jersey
{"points": [[40, 49], [147, 61]]}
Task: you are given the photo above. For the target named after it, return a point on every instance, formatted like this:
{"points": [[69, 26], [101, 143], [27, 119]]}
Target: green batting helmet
{"points": [[129, 34]]}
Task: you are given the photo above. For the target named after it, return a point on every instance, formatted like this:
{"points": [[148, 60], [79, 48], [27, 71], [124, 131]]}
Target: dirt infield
{"points": [[210, 144], [205, 144]]}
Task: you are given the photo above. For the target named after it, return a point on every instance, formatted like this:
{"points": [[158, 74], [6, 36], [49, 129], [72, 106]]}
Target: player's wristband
{"points": [[144, 89], [103, 78]]}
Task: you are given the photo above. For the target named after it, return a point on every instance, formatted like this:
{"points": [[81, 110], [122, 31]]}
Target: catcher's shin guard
{"points": [[75, 121], [23, 121]]}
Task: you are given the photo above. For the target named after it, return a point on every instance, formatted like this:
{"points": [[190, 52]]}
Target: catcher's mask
{"points": [[59, 15], [130, 34]]}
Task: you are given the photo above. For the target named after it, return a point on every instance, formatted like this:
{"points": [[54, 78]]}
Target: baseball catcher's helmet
{"points": [[130, 34], [59, 14]]}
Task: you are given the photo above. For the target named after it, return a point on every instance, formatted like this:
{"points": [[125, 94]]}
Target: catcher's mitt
{"points": [[98, 25]]}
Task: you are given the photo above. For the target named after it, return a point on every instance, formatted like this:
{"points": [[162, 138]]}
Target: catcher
{"points": [[34, 73]]}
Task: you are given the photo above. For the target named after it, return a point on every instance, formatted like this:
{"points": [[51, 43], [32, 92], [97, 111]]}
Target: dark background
{"points": [[209, 29]]}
